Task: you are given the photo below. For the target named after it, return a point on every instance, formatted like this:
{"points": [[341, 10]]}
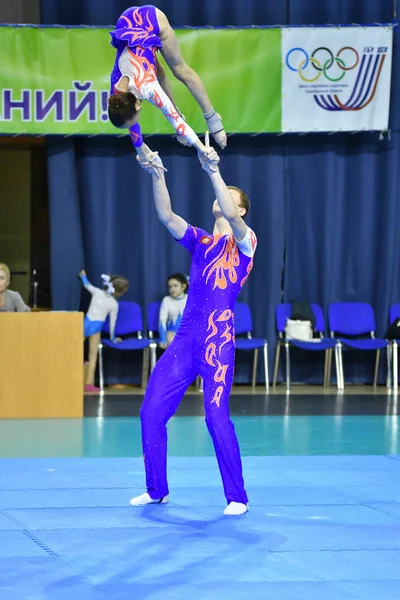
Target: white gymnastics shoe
{"points": [[236, 508], [145, 499]]}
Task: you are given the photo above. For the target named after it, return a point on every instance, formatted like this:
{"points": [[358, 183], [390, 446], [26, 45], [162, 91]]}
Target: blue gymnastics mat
{"points": [[319, 527]]}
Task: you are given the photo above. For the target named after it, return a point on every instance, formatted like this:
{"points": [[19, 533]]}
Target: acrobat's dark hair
{"points": [[181, 278], [121, 108]]}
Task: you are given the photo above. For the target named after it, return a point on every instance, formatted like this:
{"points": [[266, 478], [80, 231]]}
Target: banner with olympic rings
{"points": [[336, 79]]}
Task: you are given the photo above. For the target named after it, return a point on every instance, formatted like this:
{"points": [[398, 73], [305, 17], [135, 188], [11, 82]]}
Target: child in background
{"points": [[103, 303], [172, 308]]}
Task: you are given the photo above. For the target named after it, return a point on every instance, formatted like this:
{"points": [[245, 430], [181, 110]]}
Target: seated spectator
{"points": [[172, 307], [9, 301]]}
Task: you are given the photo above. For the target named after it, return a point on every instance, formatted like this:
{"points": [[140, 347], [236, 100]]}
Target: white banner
{"points": [[336, 79]]}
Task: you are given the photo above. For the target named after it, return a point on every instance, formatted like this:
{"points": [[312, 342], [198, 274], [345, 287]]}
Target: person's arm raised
{"points": [[174, 223], [86, 283], [230, 210]]}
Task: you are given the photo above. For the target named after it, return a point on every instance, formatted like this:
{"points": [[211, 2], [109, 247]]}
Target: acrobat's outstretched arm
{"points": [[157, 96], [173, 222], [143, 151], [154, 94], [137, 140], [228, 206]]}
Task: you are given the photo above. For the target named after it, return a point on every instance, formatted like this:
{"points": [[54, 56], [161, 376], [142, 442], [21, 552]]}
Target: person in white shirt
{"points": [[172, 308], [103, 303]]}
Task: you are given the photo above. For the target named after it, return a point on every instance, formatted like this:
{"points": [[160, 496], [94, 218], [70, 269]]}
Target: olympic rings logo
{"points": [[323, 63]]}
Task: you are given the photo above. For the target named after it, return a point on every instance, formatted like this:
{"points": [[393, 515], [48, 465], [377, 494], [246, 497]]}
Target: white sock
{"points": [[236, 508], [145, 499]]}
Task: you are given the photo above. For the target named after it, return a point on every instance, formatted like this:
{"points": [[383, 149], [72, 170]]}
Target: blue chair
{"points": [[356, 319], [129, 322], [244, 326], [394, 313], [321, 344], [153, 320]]}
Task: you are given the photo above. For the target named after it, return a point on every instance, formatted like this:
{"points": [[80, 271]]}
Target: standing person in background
{"points": [[103, 303], [9, 301], [172, 308]]}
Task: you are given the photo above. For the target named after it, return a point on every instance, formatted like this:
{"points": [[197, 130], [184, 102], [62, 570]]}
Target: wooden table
{"points": [[41, 365]]}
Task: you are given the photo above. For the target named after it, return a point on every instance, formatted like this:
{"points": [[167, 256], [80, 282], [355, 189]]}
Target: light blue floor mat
{"points": [[319, 528]]}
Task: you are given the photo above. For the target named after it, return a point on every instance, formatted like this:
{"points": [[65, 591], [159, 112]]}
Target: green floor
{"points": [[188, 436]]}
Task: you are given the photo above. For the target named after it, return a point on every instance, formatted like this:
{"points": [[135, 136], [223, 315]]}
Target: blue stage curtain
{"points": [[66, 236], [179, 12]]}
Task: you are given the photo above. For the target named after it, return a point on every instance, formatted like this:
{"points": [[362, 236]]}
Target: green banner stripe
{"points": [[56, 81]]}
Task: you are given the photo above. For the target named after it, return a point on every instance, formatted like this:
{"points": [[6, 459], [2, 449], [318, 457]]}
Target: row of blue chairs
{"points": [[129, 326], [352, 325], [345, 320]]}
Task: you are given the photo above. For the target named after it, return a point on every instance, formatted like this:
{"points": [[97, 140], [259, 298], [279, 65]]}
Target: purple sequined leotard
{"points": [[204, 345], [136, 39]]}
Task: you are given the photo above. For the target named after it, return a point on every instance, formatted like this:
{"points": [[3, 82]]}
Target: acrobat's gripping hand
{"points": [[216, 128], [151, 163], [209, 159]]}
